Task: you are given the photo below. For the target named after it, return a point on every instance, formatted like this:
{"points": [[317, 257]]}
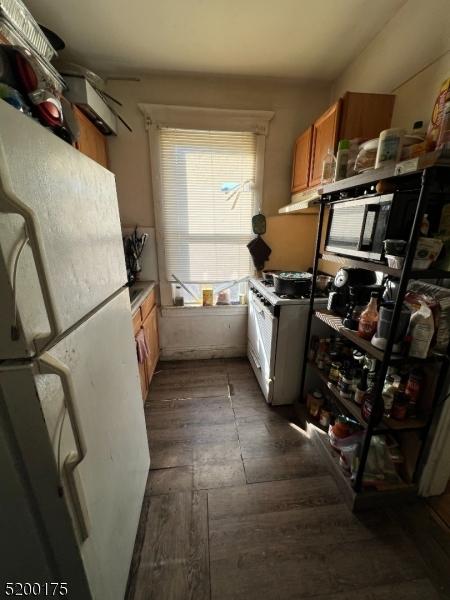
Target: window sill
{"points": [[204, 311]]}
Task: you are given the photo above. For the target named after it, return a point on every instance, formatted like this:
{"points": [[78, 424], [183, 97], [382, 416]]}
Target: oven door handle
{"points": [[370, 208], [255, 359]]}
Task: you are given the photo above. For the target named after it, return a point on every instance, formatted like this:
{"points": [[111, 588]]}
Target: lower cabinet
{"points": [[149, 326]]}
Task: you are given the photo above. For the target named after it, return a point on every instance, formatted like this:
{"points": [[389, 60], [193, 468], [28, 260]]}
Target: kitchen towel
{"points": [[260, 252], [141, 347]]}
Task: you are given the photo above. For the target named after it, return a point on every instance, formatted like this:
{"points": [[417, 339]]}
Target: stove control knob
{"points": [[266, 303]]}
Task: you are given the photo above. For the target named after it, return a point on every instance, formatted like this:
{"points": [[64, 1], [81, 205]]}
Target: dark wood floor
{"points": [[240, 506]]}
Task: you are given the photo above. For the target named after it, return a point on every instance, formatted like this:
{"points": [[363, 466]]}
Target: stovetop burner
{"points": [[291, 297], [267, 289]]}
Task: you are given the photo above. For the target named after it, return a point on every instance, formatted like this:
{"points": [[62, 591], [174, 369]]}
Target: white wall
{"points": [[197, 332], [295, 106], [417, 35], [415, 98]]}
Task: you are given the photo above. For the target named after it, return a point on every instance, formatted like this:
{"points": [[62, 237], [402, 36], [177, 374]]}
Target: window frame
{"points": [[188, 117]]}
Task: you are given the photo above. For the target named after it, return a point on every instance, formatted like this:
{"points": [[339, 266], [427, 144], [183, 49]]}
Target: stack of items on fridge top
{"points": [[31, 83], [394, 146], [28, 81]]}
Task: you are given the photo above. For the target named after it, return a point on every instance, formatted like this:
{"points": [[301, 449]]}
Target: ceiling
{"points": [[304, 39]]}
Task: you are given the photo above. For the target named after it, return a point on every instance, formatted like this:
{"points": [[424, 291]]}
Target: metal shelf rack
{"points": [[429, 183]]}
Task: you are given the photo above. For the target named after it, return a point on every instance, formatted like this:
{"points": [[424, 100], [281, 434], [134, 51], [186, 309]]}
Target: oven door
{"points": [[358, 227], [262, 339]]}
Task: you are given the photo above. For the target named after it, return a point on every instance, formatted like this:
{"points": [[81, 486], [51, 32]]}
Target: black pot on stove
{"points": [[292, 283]]}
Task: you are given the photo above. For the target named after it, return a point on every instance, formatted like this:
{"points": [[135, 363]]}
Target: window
{"points": [[207, 176], [205, 226]]}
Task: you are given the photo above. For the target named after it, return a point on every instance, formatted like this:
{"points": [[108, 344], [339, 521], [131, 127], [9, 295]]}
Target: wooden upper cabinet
{"points": [[301, 162], [365, 115], [324, 136], [91, 142], [354, 116]]}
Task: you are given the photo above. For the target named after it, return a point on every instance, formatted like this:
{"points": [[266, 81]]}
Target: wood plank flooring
{"points": [[239, 505]]}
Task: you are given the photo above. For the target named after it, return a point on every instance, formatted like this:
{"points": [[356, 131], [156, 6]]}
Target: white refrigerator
{"points": [[73, 445]]}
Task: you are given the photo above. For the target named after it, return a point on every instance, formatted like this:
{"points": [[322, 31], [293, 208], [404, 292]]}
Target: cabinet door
{"points": [[150, 326], [137, 325], [91, 142], [365, 115], [325, 131], [301, 163]]}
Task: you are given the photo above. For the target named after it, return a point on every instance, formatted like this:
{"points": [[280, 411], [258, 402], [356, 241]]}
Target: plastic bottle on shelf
{"points": [[361, 389], [425, 226], [421, 329], [388, 395], [389, 147], [369, 318], [328, 167], [342, 160]]}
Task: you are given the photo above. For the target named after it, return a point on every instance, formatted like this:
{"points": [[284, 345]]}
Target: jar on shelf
{"points": [[333, 375], [370, 406], [315, 401]]}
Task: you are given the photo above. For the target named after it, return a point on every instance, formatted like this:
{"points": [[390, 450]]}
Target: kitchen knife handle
{"points": [[48, 364]]}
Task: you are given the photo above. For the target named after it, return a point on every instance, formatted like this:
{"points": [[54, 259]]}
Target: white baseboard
{"points": [[202, 353]]}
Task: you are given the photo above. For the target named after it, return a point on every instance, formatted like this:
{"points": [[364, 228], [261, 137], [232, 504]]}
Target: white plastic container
{"points": [[389, 147], [421, 329], [395, 262]]}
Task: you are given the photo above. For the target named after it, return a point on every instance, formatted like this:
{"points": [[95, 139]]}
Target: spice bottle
{"points": [[388, 395], [400, 406], [369, 318], [361, 388], [413, 389], [345, 384], [333, 375], [371, 406]]}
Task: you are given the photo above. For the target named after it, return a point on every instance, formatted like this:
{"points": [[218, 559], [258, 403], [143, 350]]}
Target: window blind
{"points": [[204, 237]]}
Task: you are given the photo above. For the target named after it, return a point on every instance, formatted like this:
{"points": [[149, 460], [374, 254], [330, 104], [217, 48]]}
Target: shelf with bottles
{"points": [[334, 321], [395, 487], [351, 376], [353, 409]]}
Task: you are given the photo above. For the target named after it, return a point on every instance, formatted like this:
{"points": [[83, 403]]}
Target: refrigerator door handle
{"points": [[37, 247], [48, 364]]}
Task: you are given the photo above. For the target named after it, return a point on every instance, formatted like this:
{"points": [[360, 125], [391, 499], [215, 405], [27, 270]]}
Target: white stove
{"points": [[276, 340], [267, 291]]}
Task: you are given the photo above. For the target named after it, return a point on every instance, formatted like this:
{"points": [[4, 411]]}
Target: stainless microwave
{"points": [[359, 226]]}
